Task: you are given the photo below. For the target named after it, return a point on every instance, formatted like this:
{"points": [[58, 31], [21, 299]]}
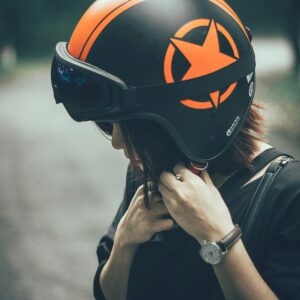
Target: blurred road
{"points": [[60, 185], [273, 54]]}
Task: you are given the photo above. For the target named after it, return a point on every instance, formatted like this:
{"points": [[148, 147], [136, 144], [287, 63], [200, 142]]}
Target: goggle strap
{"points": [[192, 88]]}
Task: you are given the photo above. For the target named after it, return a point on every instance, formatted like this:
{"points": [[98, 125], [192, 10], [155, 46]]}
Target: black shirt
{"points": [[174, 270]]}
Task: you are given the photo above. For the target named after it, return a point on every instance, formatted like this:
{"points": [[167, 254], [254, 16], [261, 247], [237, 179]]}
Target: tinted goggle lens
{"points": [[76, 89]]}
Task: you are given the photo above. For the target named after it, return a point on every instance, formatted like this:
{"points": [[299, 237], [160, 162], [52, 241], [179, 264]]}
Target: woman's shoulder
{"points": [[288, 179], [283, 204], [279, 233]]}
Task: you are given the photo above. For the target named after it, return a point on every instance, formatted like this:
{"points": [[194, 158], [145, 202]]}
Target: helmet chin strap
{"points": [[197, 168]]}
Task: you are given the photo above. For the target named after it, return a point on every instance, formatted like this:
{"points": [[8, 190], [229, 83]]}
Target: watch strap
{"points": [[229, 239]]}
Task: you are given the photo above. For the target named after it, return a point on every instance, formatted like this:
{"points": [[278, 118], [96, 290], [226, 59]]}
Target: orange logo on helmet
{"points": [[203, 59]]}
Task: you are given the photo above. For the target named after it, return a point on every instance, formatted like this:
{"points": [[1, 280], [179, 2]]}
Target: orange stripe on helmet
{"points": [[222, 4], [89, 22], [102, 25]]}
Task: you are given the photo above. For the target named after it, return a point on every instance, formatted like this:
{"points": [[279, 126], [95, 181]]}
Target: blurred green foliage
{"points": [[34, 26], [264, 15]]}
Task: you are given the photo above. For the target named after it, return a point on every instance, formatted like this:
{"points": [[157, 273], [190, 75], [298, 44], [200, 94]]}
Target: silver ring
{"points": [[199, 167], [178, 176]]}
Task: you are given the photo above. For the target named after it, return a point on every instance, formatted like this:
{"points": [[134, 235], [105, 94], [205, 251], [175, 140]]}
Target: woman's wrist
{"points": [[216, 234], [116, 271], [239, 277], [121, 246]]}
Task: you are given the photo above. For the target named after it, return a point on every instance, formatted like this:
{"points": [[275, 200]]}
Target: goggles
{"points": [[92, 94], [106, 127]]}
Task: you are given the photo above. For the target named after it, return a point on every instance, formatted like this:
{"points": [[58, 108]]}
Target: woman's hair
{"points": [[158, 151]]}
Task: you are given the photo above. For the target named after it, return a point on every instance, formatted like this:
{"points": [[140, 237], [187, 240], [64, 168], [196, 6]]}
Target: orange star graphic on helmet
{"points": [[204, 59]]}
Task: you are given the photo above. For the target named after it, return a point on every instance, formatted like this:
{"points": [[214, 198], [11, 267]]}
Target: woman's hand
{"points": [[195, 204], [139, 224]]}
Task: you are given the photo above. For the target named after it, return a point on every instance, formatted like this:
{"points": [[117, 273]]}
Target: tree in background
{"points": [[294, 30], [8, 35], [34, 27]]}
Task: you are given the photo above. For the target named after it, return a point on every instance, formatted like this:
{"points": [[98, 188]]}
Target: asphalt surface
{"points": [[60, 185]]}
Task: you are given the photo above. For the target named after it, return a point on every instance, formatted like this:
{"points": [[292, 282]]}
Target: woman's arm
{"points": [[239, 278], [137, 226], [197, 206], [114, 276]]}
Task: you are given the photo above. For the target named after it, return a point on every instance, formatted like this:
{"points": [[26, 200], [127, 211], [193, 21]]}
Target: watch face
{"points": [[211, 253]]}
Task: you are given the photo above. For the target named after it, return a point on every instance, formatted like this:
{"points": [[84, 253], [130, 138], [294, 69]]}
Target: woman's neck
{"points": [[219, 179]]}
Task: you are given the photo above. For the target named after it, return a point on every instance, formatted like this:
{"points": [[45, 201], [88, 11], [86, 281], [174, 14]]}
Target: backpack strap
{"points": [[242, 176], [260, 195]]}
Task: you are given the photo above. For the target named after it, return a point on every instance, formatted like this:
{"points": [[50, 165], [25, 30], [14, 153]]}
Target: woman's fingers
{"points": [[169, 180], [165, 192], [138, 198], [183, 171], [163, 225], [159, 209], [154, 199], [138, 194], [206, 178]]}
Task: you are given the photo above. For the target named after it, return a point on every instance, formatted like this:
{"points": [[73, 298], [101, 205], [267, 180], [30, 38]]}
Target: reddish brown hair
{"points": [[159, 152]]}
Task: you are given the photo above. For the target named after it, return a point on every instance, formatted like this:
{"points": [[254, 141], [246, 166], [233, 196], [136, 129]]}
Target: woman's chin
{"points": [[137, 163]]}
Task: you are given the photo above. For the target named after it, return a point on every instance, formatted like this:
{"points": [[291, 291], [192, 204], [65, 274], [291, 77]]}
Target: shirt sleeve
{"points": [[103, 253], [282, 259], [106, 242]]}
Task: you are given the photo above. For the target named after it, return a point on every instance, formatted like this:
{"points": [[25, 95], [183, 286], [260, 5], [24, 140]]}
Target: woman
{"points": [[173, 83]]}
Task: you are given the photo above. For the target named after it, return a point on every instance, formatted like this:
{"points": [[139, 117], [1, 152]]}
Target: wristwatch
{"points": [[213, 252]]}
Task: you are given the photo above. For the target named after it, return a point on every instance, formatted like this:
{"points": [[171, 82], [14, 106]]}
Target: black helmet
{"points": [[186, 64]]}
